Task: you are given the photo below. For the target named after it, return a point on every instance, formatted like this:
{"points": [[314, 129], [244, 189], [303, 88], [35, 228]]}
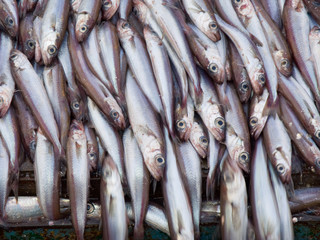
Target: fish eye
{"points": [[253, 121], [213, 25], [204, 140], [219, 122], [159, 159], [114, 114], [52, 49], [280, 168], [213, 68], [284, 63], [106, 4], [92, 156], [76, 105], [181, 125], [237, 1], [83, 28], [135, 11], [261, 78], [33, 145], [13, 56], [244, 87], [31, 44], [90, 208], [317, 134], [244, 157], [9, 21], [125, 25]]}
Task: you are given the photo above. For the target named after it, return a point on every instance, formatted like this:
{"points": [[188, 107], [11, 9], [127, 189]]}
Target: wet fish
{"points": [[46, 170], [163, 75], [78, 176], [178, 208], [7, 83], [168, 22], [9, 18], [274, 11], [26, 39], [30, 127], [278, 147], [109, 136], [4, 177], [240, 75], [199, 139], [203, 17], [234, 202], [92, 147], [35, 97], [73, 93], [313, 7], [86, 18], [146, 128], [37, 23], [40, 7], [210, 109], [54, 26], [91, 84], [114, 214], [190, 168], [125, 9], [314, 40], [138, 181], [304, 198], [264, 204], [139, 62], [109, 8], [55, 84]]}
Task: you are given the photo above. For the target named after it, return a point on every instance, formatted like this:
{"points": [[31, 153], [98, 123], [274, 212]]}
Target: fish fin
{"points": [[256, 41]]}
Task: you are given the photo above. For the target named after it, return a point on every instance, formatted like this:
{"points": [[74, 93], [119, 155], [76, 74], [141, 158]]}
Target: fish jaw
{"points": [[215, 121], [49, 48], [185, 131], [82, 28], [199, 141], [116, 113], [282, 161]]}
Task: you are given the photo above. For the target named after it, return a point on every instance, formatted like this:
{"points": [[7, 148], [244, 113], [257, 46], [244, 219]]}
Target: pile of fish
{"points": [[161, 90]]}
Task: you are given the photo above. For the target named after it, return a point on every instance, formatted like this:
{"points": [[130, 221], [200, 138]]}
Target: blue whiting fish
{"points": [[199, 139], [9, 20], [109, 8], [92, 147], [4, 177]]}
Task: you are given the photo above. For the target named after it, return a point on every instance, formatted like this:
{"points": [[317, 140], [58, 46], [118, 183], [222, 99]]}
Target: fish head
{"points": [[199, 140], [109, 8], [210, 26], [243, 8], [109, 172], [93, 154], [217, 70], [216, 121], [5, 100], [140, 10], [149, 34], [77, 107], [17, 59], [183, 127], [256, 124], [29, 48], [115, 113], [124, 29], [10, 22], [83, 26], [76, 131], [283, 62], [282, 167], [315, 33], [49, 47], [259, 76]]}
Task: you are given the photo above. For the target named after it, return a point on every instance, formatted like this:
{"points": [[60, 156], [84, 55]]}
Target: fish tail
{"points": [[210, 187], [138, 232]]}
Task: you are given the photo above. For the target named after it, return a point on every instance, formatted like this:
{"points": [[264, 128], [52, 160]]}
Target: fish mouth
{"points": [[256, 130], [285, 178], [4, 104]]}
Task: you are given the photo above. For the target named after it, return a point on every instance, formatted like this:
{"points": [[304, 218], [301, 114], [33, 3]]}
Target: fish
{"points": [[125, 9], [138, 180], [249, 55], [258, 114], [313, 8], [86, 17], [274, 11], [9, 20], [278, 147], [109, 137], [307, 148], [266, 216], [7, 82], [161, 68], [5, 178], [304, 198], [286, 224], [240, 75], [26, 39], [55, 84], [40, 7], [234, 202], [37, 23], [171, 27], [298, 38], [139, 62], [146, 128], [190, 168], [177, 204], [91, 84], [109, 8], [35, 97], [113, 213], [210, 109], [46, 170], [29, 130], [92, 147], [78, 176], [314, 39], [22, 8], [54, 26], [199, 138], [201, 14]]}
